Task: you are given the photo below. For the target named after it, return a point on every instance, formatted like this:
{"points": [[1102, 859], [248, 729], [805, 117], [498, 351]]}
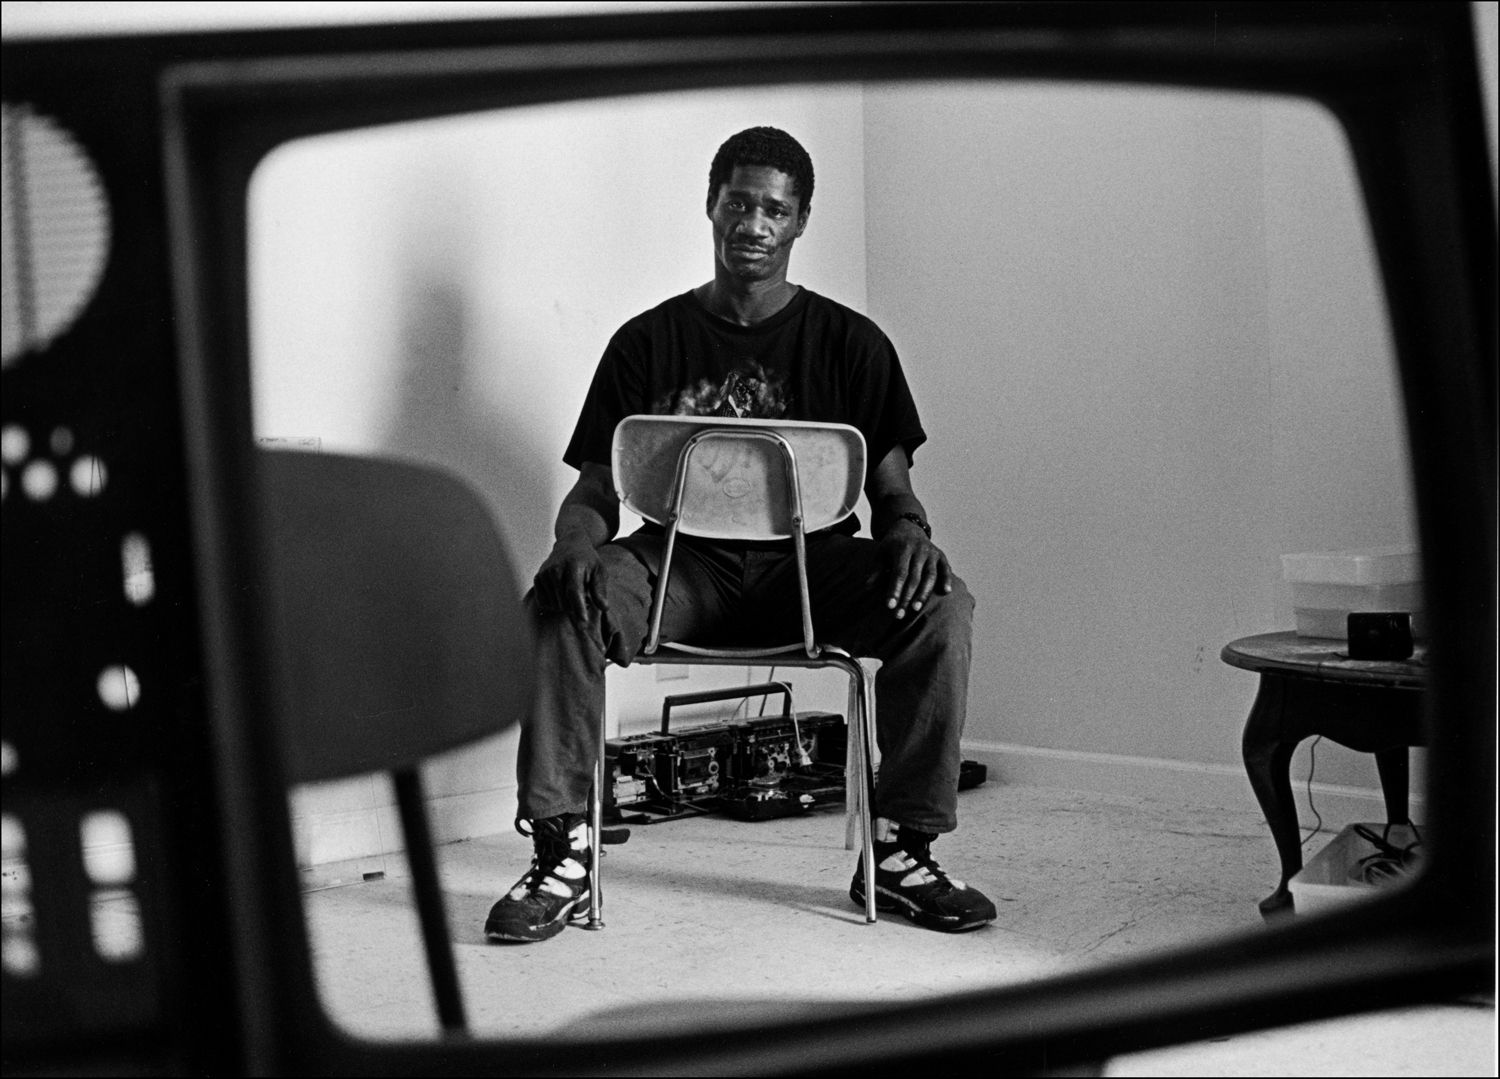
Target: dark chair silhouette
{"points": [[399, 634]]}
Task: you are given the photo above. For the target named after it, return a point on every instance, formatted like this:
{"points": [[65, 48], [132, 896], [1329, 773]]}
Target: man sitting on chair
{"points": [[750, 344]]}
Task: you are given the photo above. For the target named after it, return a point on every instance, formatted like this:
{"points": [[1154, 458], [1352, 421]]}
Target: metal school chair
{"points": [[731, 479], [398, 635]]}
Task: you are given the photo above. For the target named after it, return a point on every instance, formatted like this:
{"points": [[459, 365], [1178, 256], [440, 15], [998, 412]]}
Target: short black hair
{"points": [[768, 146]]}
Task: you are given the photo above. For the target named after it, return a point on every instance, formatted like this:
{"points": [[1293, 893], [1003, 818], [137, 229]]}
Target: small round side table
{"points": [[1309, 686]]}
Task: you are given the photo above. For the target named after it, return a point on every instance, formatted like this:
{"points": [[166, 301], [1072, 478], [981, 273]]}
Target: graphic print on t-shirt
{"points": [[813, 360], [754, 394]]}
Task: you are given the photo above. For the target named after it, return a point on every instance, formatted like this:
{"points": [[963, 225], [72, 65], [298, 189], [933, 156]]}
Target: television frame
{"points": [[177, 124]]}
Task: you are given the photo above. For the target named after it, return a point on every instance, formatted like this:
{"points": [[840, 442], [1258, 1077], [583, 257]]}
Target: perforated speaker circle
{"points": [[56, 231]]}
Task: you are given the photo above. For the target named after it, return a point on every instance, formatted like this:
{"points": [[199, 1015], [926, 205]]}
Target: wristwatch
{"points": [[916, 519]]}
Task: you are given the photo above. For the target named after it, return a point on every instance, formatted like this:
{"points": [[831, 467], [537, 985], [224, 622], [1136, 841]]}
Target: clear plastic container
{"points": [[1328, 585], [1332, 878], [1360, 565], [1358, 597]]}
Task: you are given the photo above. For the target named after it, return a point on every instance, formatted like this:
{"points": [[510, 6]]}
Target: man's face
{"points": [[757, 216]]}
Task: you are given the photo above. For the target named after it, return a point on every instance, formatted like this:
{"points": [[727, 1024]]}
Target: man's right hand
{"points": [[572, 578]]}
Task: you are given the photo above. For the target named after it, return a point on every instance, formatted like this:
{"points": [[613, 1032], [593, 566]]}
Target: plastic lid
{"points": [[1360, 565]]}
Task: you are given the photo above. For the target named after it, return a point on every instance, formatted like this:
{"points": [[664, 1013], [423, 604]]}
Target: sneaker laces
{"points": [[552, 845], [914, 850]]}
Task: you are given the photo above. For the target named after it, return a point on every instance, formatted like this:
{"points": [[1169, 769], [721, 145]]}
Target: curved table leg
{"points": [[1268, 756], [1395, 777]]}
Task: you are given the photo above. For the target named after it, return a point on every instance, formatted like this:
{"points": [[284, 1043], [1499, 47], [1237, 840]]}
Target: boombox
{"points": [[767, 766], [754, 769]]}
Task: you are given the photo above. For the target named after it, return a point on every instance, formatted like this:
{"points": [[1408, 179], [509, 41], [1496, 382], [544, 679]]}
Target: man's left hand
{"points": [[914, 567]]}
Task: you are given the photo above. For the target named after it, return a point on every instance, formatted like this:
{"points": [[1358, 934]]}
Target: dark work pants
{"points": [[720, 596]]}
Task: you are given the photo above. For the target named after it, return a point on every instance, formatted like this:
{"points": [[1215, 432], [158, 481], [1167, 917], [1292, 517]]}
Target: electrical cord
{"points": [[765, 697], [804, 760], [1389, 861], [1312, 769], [745, 701]]}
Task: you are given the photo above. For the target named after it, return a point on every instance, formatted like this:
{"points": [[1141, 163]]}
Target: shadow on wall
{"points": [[436, 420]]}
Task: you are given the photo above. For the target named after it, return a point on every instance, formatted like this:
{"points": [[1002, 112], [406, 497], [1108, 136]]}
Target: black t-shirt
{"points": [[813, 360]]}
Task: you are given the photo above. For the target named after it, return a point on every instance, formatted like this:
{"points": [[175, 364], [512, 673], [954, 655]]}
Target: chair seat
{"points": [[731, 654]]}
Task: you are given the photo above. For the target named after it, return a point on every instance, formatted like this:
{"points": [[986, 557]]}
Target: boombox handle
{"points": [[763, 689]]}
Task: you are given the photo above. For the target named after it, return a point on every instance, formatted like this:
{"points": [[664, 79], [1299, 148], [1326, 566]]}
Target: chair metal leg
{"points": [[596, 832], [866, 783], [853, 792], [430, 911], [858, 760]]}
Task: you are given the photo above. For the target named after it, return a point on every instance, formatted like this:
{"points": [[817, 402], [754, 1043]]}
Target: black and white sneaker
{"points": [[556, 888], [908, 881]]}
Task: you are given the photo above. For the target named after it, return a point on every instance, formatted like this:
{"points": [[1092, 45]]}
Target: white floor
{"points": [[715, 914], [1435, 1040]]}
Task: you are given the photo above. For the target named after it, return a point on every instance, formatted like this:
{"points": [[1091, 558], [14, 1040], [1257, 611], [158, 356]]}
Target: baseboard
{"points": [[335, 849], [340, 847], [344, 847], [312, 878], [1219, 786]]}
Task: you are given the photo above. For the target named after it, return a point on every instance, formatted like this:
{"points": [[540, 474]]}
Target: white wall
{"points": [[1339, 463], [443, 291], [1154, 318]]}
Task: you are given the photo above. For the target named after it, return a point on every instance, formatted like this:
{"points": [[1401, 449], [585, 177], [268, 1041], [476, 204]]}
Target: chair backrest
{"points": [[399, 632], [736, 488]]}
